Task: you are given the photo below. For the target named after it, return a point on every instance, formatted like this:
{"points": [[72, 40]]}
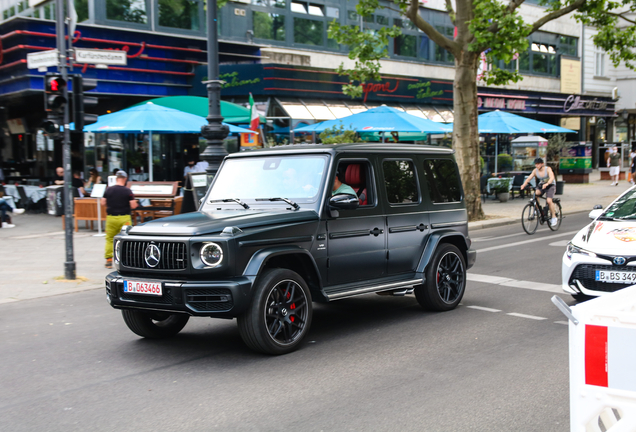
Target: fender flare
{"points": [[258, 260], [433, 242]]}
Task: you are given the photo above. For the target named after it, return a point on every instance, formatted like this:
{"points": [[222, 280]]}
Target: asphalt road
{"points": [[499, 362]]}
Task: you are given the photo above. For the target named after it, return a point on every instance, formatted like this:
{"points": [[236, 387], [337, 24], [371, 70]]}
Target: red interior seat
{"points": [[354, 177]]}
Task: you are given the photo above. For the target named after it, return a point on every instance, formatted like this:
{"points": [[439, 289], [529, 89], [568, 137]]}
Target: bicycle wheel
{"points": [[529, 219], [559, 216]]}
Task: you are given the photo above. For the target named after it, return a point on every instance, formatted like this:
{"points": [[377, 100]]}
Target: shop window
{"points": [[441, 55], [133, 11], [81, 7], [400, 181], [405, 45], [308, 32], [599, 64], [182, 14], [382, 20], [268, 26], [442, 181], [568, 45]]}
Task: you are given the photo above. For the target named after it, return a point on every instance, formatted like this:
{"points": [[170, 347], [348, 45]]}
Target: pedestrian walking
{"points": [[632, 160], [614, 164], [119, 202]]}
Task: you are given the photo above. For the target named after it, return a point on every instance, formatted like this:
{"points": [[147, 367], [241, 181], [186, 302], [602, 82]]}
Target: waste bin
{"points": [[559, 187], [55, 200]]}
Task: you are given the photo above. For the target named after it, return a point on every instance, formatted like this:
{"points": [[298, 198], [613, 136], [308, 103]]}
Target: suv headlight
{"points": [[211, 254], [117, 250], [571, 250]]}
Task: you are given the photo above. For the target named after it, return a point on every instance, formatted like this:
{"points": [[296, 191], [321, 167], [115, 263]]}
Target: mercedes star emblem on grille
{"points": [[619, 260], [152, 255]]}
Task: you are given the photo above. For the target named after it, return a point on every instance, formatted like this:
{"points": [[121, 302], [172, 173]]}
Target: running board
{"points": [[403, 287]]}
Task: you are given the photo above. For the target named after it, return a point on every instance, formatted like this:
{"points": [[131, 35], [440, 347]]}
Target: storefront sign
{"points": [[40, 59], [501, 103], [570, 76], [106, 57], [575, 103], [381, 87]]}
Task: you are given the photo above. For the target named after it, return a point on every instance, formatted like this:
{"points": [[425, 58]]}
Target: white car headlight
{"points": [[117, 250], [571, 250], [211, 254]]}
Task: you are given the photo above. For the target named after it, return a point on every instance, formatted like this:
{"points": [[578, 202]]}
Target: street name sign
{"points": [[104, 57], [43, 59]]}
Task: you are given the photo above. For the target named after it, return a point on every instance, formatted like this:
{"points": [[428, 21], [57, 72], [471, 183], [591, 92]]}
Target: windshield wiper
{"points": [[608, 218], [288, 201], [236, 200]]}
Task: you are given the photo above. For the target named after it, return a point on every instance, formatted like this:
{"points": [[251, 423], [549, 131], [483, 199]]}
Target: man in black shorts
{"points": [[119, 202], [546, 185]]}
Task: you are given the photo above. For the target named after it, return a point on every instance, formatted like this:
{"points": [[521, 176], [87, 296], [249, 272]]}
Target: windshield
{"points": [[624, 207], [297, 178]]}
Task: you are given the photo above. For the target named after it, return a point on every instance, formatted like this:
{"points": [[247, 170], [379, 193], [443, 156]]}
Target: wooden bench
{"points": [[86, 210]]}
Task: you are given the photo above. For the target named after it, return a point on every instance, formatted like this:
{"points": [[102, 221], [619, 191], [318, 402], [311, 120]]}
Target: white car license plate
{"points": [[141, 287], [615, 276]]}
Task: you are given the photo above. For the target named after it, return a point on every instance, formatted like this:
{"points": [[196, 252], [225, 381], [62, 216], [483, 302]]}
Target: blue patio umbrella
{"points": [[152, 118], [380, 119]]}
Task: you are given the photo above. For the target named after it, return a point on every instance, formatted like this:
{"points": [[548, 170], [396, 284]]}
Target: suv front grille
{"points": [[586, 274], [208, 299], [173, 255]]}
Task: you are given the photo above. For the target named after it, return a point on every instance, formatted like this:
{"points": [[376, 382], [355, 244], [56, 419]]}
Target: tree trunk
{"points": [[465, 131]]}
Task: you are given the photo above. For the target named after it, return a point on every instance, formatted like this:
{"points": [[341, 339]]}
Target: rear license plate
{"points": [[141, 287], [615, 276]]}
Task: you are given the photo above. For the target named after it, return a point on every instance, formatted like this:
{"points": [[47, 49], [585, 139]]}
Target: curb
{"points": [[493, 223]]}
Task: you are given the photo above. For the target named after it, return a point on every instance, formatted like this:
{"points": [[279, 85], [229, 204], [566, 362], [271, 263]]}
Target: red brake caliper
{"points": [[292, 306]]}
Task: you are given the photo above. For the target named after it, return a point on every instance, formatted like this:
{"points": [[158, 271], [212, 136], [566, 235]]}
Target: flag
{"points": [[254, 117]]}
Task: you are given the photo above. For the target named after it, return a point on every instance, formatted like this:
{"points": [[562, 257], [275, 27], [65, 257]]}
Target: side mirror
{"points": [[597, 207], [595, 213], [344, 202]]}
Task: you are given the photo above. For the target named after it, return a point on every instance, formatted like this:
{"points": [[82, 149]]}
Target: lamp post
{"points": [[215, 131]]}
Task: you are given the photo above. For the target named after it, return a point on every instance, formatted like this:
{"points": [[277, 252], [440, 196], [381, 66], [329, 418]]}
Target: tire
{"points": [[559, 216], [279, 315], [529, 219], [445, 280], [154, 325]]}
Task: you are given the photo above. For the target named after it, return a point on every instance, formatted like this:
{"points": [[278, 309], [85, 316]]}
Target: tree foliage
{"points": [[493, 29], [339, 135]]}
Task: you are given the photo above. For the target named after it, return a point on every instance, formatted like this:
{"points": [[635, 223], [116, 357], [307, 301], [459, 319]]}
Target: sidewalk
{"points": [[32, 265]]}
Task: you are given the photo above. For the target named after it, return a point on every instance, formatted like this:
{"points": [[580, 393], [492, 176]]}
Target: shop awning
{"points": [[321, 110]]}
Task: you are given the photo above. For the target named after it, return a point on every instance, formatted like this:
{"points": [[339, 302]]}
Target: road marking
{"points": [[484, 308], [495, 280], [562, 322], [497, 237], [518, 315], [560, 243], [488, 249]]}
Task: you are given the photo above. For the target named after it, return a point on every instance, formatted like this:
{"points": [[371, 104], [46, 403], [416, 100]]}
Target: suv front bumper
{"points": [[219, 298]]}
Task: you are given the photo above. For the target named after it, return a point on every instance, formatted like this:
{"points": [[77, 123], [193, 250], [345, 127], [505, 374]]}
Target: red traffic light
{"points": [[55, 84]]}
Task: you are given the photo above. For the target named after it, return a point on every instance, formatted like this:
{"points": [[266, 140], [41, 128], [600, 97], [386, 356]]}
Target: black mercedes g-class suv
{"points": [[271, 237]]}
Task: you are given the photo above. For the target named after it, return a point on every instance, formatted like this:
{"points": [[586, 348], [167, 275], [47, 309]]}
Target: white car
{"points": [[601, 258]]}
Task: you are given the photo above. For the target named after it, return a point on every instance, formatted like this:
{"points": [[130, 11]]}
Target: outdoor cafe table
{"points": [[36, 193], [9, 200]]}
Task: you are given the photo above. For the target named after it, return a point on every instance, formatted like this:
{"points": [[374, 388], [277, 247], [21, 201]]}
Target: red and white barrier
{"points": [[603, 363]]}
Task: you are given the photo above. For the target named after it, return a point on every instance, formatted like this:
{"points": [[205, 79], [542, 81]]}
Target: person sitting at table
{"points": [[78, 183], [93, 179], [59, 176], [4, 218]]}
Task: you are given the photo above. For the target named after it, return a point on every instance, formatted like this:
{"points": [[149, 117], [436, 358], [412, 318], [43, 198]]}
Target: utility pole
{"points": [[215, 131], [69, 264]]}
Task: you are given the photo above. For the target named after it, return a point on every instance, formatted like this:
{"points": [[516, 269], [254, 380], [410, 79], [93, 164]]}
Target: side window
{"points": [[442, 180], [357, 175], [400, 181]]}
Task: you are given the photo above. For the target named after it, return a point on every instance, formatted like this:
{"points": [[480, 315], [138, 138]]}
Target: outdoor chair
{"points": [[516, 186], [25, 202]]}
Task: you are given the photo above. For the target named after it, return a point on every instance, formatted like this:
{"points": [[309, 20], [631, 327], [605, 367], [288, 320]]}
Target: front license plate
{"points": [[141, 287], [615, 276]]}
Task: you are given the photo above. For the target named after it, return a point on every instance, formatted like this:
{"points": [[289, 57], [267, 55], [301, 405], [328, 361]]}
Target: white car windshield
{"points": [[296, 178], [623, 208]]}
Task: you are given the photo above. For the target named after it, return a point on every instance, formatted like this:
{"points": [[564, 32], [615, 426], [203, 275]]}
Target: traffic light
{"points": [[54, 99], [81, 102]]}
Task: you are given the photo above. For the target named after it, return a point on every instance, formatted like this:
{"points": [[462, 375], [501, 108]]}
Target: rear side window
{"points": [[400, 181], [442, 180]]}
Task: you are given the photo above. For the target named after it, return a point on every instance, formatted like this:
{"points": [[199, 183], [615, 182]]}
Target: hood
{"points": [[608, 237], [198, 223]]}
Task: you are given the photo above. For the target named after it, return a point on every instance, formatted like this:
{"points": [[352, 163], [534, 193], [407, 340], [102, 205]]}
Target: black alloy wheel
{"points": [[280, 314], [559, 216], [530, 219], [154, 325], [445, 280]]}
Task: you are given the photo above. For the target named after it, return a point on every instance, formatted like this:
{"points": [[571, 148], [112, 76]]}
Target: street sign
{"points": [[105, 57], [43, 59]]}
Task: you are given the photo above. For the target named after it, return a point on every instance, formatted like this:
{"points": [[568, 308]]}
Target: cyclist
{"points": [[546, 185]]}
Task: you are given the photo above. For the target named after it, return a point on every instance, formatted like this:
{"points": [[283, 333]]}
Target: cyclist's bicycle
{"points": [[533, 214]]}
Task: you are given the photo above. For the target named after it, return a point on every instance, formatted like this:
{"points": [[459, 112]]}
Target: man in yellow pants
{"points": [[119, 202]]}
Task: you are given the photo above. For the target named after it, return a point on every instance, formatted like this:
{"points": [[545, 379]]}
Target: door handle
{"points": [[376, 231], [422, 227]]}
